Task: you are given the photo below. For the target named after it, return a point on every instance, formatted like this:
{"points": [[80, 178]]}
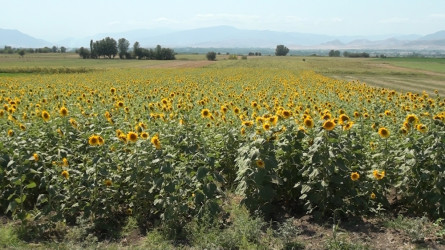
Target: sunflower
{"points": [[22, 127], [384, 132], [273, 120], [326, 116], [403, 130], [65, 174], [144, 135], [123, 137], [60, 132], [372, 196], [329, 125], [308, 122], [11, 132], [73, 123], [421, 128], [65, 162], [108, 182], [355, 176], [286, 114], [243, 131], [343, 118], [224, 109], [63, 111], [348, 126], [132, 136], [259, 120], [45, 115], [266, 126], [36, 157], [100, 140], [113, 90], [412, 118], [205, 113], [247, 123], [120, 104], [378, 175], [155, 141], [93, 140], [260, 163]]}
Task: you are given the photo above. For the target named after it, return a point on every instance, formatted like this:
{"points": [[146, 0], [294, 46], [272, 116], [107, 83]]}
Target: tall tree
{"points": [[123, 45], [281, 50], [137, 50]]}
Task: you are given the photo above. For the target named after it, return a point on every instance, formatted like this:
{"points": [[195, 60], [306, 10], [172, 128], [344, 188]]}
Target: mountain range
{"points": [[230, 37]]}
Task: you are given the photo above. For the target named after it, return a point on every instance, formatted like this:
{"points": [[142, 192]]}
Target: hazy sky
{"points": [[55, 20]]}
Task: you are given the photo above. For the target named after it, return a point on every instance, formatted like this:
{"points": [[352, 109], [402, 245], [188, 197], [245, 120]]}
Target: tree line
{"points": [[109, 48], [11, 50], [337, 53]]}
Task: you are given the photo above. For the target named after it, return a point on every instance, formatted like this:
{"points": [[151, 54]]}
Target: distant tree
{"points": [[211, 56], [54, 49], [22, 52], [62, 49], [137, 51], [123, 45], [93, 50], [108, 47], [334, 53], [84, 53], [281, 50]]}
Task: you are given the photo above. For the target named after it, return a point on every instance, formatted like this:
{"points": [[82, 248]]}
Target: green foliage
{"points": [[9, 237], [211, 56], [281, 50], [415, 228]]}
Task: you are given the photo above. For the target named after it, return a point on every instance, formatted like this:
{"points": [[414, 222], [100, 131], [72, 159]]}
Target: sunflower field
{"points": [[167, 145]]}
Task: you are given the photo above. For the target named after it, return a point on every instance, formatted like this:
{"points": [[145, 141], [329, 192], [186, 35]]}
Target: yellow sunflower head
{"points": [[132, 136], [329, 125], [355, 176], [65, 174], [308, 122], [45, 115], [205, 113], [383, 132], [260, 163], [63, 111], [144, 135]]}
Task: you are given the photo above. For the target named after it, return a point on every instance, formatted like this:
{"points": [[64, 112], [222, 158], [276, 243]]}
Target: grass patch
{"points": [[9, 237], [417, 229], [44, 70]]}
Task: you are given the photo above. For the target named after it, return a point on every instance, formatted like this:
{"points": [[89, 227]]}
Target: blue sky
{"points": [[55, 20]]}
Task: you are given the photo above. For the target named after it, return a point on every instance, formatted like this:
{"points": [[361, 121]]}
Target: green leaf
{"points": [[305, 188], [10, 163], [202, 171], [20, 199], [31, 185]]}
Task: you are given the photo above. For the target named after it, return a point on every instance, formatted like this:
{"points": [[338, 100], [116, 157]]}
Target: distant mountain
{"points": [[440, 35], [132, 36], [230, 37], [18, 39]]}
